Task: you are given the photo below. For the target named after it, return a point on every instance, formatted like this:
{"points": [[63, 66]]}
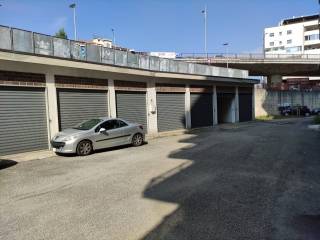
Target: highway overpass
{"points": [[272, 65]]}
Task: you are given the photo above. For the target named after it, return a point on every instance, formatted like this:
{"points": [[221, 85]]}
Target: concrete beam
{"points": [[236, 109], [42, 63], [52, 105], [112, 99], [152, 117], [215, 106], [253, 104], [188, 107]]}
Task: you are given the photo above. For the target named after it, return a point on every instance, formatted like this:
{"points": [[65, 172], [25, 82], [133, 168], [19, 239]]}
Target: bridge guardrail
{"points": [[22, 41], [247, 56]]}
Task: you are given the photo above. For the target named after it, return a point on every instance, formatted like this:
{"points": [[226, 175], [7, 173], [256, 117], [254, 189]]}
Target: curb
{"points": [[314, 127]]}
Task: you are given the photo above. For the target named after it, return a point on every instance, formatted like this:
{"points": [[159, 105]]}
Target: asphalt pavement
{"points": [[248, 181]]}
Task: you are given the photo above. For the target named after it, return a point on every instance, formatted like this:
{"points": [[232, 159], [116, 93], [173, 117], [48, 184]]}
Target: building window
{"points": [[294, 49], [311, 37], [280, 42], [271, 35], [280, 33], [289, 41], [271, 43], [289, 32]]}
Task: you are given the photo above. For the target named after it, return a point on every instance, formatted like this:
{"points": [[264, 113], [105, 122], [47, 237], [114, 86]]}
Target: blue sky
{"points": [[159, 25]]}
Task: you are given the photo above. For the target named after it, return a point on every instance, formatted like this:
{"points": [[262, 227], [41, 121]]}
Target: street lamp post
{"points": [[227, 53], [205, 30], [73, 6], [113, 36], [319, 18]]}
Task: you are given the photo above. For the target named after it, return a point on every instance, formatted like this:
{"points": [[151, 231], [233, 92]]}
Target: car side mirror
{"points": [[102, 130]]}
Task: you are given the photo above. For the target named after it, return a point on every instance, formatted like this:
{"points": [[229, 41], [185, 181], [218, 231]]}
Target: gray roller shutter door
{"points": [[201, 110], [225, 107], [131, 106], [76, 106], [23, 120], [245, 107], [171, 111]]}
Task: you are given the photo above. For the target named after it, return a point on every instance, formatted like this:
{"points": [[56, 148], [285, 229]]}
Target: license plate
{"points": [[57, 149]]}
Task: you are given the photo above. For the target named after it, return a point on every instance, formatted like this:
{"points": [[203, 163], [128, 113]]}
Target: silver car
{"points": [[96, 134]]}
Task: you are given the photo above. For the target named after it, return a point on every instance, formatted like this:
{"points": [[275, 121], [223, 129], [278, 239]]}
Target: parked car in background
{"points": [[295, 111], [97, 133], [301, 111], [285, 110], [315, 111]]}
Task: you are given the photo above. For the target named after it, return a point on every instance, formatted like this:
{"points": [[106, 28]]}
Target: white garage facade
{"points": [[42, 92]]}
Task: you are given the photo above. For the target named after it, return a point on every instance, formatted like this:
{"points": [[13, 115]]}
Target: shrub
{"points": [[316, 120]]}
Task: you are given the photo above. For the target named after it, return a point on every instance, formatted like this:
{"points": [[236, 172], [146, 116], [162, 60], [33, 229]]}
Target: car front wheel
{"points": [[84, 148], [137, 140]]}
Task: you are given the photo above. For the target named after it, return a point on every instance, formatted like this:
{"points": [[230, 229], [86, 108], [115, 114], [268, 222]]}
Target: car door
{"points": [[127, 132], [109, 138]]}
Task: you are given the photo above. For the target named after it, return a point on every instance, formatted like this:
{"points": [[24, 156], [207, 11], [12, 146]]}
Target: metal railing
{"points": [[247, 56], [22, 41]]}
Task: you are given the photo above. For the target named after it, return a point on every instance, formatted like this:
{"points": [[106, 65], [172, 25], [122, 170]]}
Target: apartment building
{"points": [[298, 35]]}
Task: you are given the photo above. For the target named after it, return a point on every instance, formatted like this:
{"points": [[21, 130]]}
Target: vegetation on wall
{"points": [[61, 34], [316, 120]]}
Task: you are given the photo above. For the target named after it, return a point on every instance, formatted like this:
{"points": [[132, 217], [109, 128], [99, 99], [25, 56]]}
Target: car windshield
{"points": [[86, 125]]}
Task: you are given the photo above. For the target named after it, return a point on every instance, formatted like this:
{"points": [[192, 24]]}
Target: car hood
{"points": [[68, 132]]}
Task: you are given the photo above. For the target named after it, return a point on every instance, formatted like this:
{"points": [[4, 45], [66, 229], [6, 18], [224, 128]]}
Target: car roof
{"points": [[108, 118]]}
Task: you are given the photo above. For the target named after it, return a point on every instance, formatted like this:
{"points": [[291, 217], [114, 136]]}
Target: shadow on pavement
{"points": [[4, 163], [100, 150], [308, 225], [239, 185], [116, 148]]}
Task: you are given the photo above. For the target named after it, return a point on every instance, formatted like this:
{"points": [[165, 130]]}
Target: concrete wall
{"points": [[23, 41], [268, 101]]}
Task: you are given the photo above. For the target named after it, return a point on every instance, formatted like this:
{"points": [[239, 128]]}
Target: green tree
{"points": [[61, 34]]}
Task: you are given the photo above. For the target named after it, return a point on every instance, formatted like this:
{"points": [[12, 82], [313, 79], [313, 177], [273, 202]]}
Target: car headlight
{"points": [[55, 137], [69, 138]]}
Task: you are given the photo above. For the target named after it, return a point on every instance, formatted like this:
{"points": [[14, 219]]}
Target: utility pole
{"points": [[205, 30], [73, 6]]}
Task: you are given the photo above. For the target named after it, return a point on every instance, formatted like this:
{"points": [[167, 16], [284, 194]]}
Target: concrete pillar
{"points": [[236, 108], [188, 107], [215, 105], [152, 117], [274, 79], [112, 99], [52, 105], [253, 103]]}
